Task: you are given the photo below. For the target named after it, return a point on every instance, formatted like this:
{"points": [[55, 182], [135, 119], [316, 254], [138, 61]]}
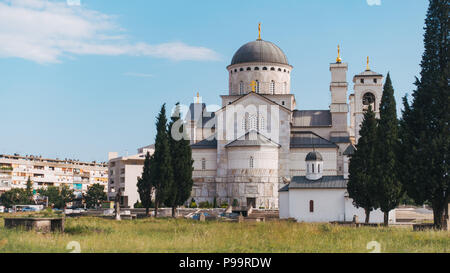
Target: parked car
{"points": [[2, 209]]}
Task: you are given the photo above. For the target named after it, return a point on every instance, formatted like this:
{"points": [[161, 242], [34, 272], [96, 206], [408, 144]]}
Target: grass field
{"points": [[170, 235]]}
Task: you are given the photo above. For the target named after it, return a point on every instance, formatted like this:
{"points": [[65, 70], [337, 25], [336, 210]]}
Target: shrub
{"points": [[235, 203], [224, 205], [138, 205], [205, 205]]}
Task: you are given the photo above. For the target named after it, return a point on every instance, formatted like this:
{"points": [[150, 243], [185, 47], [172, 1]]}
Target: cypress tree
{"points": [[161, 173], [182, 162], [145, 186], [425, 132], [388, 186], [362, 166]]}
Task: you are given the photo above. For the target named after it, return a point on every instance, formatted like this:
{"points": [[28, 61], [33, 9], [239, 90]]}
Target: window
{"points": [[311, 206], [369, 100], [252, 162], [272, 87], [244, 124], [375, 80], [272, 69], [362, 81], [235, 70], [262, 124], [242, 69], [257, 86], [279, 69], [203, 164], [249, 68], [241, 88], [252, 122], [307, 168], [318, 168], [312, 166], [256, 68], [283, 103], [264, 68]]}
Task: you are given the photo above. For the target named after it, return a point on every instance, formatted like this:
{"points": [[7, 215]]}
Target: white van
{"points": [[2, 209]]}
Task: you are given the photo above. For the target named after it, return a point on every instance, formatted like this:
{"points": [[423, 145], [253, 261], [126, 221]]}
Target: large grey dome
{"points": [[259, 51]]}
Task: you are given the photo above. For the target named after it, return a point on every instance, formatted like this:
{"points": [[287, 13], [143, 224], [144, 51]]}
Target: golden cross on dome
{"points": [[198, 97], [368, 67], [338, 59], [253, 85], [259, 32]]}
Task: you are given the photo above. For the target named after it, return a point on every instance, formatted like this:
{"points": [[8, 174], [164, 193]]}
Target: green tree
{"points": [[424, 133], [388, 187], [15, 197], [29, 190], [144, 185], [181, 158], [361, 184], [58, 196], [161, 173], [95, 196]]}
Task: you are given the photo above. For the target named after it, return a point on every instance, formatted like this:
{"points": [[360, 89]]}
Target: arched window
{"points": [[284, 70], [256, 68], [262, 123], [264, 68], [312, 166], [257, 86], [252, 122], [311, 206], [318, 168], [235, 70], [272, 69], [272, 87], [279, 69], [249, 68], [369, 100], [244, 124], [241, 88], [203, 164], [252, 162], [241, 69]]}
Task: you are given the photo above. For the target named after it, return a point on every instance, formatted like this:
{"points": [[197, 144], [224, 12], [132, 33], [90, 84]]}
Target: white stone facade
{"points": [[257, 142]]}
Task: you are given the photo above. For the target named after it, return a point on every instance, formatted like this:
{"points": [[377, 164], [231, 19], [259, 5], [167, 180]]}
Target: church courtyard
{"points": [[96, 235]]}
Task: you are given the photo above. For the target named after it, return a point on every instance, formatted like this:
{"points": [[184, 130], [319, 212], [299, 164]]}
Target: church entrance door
{"points": [[251, 202]]}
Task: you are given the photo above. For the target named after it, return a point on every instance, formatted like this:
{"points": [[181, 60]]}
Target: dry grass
{"points": [[170, 235]]}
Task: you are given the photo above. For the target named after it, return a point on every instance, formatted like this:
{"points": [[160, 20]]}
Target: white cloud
{"points": [[374, 2], [45, 31]]}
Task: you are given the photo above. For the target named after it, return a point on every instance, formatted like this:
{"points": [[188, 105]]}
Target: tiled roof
{"points": [[252, 138], [205, 144], [350, 150], [326, 182], [310, 140], [340, 139], [312, 118]]}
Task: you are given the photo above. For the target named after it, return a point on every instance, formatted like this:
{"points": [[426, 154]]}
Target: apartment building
{"points": [[123, 173], [15, 171]]}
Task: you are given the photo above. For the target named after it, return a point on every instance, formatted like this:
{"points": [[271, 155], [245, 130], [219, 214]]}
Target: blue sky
{"points": [[80, 81]]}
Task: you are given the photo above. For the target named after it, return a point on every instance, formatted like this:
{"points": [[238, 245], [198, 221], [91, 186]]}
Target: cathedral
{"points": [[259, 146]]}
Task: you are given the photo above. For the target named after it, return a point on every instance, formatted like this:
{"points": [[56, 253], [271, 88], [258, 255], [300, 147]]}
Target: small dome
{"points": [[314, 156], [259, 51]]}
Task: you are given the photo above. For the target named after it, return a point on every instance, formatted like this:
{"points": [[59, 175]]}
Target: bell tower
{"points": [[338, 89], [368, 87]]}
